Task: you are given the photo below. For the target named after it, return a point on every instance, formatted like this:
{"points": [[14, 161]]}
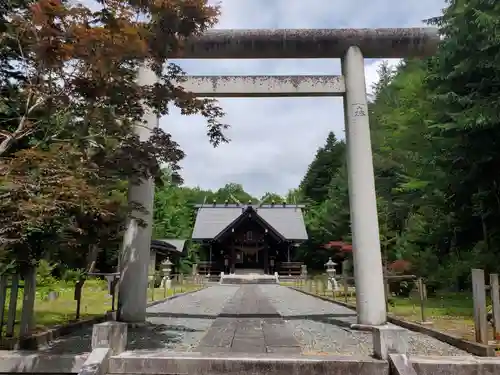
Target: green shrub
{"points": [[44, 273], [72, 276]]}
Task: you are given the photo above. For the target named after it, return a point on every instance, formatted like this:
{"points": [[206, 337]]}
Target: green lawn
{"points": [[452, 313], [95, 302]]}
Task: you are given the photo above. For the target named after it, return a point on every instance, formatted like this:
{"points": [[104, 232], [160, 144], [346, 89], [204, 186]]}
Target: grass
{"points": [[95, 302], [452, 313], [160, 293]]}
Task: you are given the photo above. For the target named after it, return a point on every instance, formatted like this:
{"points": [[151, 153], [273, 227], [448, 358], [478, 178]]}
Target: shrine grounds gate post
{"points": [[351, 46]]}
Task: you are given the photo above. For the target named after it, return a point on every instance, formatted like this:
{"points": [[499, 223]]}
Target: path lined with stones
{"points": [[252, 319], [177, 324], [249, 323]]}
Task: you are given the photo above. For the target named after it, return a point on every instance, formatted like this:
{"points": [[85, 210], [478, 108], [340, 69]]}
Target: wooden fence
{"points": [[479, 291], [11, 285]]}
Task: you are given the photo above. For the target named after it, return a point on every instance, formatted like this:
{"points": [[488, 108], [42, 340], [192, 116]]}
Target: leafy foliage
{"points": [[70, 100], [435, 127]]}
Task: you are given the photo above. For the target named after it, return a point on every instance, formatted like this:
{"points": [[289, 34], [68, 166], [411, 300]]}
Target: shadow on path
{"points": [[319, 317], [157, 336]]}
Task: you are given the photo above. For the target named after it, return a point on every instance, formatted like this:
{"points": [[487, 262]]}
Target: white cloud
{"points": [[274, 140]]}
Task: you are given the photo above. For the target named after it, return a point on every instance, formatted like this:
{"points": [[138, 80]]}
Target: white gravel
{"points": [[192, 313], [330, 333], [206, 302], [162, 333]]}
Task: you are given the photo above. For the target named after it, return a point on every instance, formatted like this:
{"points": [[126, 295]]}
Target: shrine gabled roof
{"points": [[287, 220], [172, 245]]}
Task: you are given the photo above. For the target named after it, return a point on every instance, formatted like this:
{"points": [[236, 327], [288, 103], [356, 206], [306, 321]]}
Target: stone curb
{"points": [[245, 363], [32, 342], [480, 350], [150, 304], [36, 340]]}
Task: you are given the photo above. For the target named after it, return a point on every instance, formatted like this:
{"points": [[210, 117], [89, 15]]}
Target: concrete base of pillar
{"points": [[389, 339], [362, 327], [112, 335]]}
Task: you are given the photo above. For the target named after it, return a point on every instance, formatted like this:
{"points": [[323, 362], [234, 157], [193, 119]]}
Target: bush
{"points": [[72, 276], [44, 273], [401, 289]]}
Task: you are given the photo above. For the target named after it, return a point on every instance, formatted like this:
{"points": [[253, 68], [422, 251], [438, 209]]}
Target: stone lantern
{"points": [[166, 267], [330, 271]]}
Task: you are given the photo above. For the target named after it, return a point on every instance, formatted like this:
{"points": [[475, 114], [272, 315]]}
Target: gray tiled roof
{"points": [[288, 221], [170, 244], [210, 221]]}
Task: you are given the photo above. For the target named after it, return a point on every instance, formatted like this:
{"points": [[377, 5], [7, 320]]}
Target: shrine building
{"points": [[260, 237]]}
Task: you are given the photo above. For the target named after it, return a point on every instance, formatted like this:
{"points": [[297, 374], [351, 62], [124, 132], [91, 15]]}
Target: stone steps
{"points": [[238, 281], [247, 279]]}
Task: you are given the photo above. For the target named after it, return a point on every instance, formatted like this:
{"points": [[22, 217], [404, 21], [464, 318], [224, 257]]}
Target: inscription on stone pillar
{"points": [[359, 109]]}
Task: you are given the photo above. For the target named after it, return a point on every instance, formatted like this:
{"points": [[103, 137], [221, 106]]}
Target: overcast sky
{"points": [[274, 140]]}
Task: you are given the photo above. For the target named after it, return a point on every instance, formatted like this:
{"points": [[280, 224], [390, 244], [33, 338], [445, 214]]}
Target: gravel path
{"points": [[322, 326], [207, 302], [178, 324], [319, 326]]}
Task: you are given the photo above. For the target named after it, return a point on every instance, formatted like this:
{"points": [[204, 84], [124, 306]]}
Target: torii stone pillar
{"points": [[370, 296], [348, 44], [135, 257]]}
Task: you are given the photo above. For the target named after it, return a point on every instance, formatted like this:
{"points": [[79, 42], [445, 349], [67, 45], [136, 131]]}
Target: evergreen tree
{"points": [[328, 160]]}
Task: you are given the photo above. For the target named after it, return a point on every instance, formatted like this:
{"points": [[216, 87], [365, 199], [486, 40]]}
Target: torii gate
{"points": [[351, 46]]}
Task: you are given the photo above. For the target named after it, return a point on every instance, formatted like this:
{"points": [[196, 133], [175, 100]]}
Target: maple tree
{"points": [[69, 102]]}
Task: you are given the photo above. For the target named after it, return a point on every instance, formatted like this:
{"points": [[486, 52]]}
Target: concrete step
{"points": [[233, 281], [247, 279], [193, 363]]}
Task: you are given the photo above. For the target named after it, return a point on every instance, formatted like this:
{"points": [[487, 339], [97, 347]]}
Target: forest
{"points": [[67, 153]]}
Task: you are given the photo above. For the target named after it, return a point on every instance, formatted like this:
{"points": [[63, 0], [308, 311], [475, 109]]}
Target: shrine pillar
{"points": [[134, 256], [368, 272]]}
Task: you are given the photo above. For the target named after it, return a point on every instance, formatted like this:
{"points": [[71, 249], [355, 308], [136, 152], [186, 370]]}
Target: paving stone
{"points": [[221, 334], [279, 335], [284, 349], [213, 349], [248, 345], [248, 335]]}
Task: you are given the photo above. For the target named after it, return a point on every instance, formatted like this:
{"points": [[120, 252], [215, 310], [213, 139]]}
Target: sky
{"points": [[273, 140]]}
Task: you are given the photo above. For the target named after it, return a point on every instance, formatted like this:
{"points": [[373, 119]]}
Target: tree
{"points": [[464, 79], [233, 193], [434, 129], [68, 78], [46, 194], [273, 198], [328, 160]]}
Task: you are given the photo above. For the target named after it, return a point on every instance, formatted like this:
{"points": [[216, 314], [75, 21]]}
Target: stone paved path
{"points": [[249, 323], [251, 318]]}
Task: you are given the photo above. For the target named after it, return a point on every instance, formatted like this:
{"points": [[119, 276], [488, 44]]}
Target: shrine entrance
{"points": [[248, 258], [352, 46]]}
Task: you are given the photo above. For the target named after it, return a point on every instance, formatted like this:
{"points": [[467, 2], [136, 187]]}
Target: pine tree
{"points": [[327, 162]]}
